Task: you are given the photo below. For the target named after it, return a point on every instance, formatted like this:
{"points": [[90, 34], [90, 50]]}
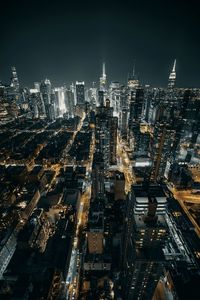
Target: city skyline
{"points": [[99, 150], [103, 73], [99, 184], [64, 41]]}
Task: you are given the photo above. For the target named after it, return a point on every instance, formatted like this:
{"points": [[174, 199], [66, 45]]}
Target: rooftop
{"points": [[153, 190]]}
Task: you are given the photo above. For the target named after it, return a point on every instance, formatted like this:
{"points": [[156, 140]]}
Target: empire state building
{"points": [[172, 76]]}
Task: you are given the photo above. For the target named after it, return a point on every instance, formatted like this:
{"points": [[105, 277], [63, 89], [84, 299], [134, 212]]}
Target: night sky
{"points": [[68, 40]]}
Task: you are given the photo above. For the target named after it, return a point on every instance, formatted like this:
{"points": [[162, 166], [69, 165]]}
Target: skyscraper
{"points": [[102, 81], [136, 105], [69, 102], [12, 91], [106, 133], [133, 81], [114, 94], [101, 98], [102, 136], [162, 145], [98, 189], [45, 89], [145, 235], [14, 80], [113, 124], [92, 96], [80, 93], [124, 112], [136, 110], [60, 101], [172, 76], [36, 104]]}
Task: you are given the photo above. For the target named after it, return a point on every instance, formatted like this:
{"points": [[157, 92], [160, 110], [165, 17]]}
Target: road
{"points": [[184, 197], [195, 173], [187, 196], [72, 281], [124, 165]]}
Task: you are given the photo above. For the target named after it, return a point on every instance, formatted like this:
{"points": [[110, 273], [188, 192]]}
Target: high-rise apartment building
{"points": [[106, 133], [113, 125], [114, 94], [136, 111], [162, 146], [80, 93], [133, 81], [98, 188], [136, 105], [145, 235]]}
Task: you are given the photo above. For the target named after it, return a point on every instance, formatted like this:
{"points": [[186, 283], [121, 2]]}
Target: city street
{"points": [[184, 197], [124, 165]]}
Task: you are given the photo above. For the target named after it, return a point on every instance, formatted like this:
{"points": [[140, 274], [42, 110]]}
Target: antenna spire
{"points": [[172, 76], [104, 70], [174, 66], [133, 74]]}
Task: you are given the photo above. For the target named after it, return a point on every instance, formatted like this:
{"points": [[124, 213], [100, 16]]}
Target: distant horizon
{"points": [[88, 83], [67, 41]]}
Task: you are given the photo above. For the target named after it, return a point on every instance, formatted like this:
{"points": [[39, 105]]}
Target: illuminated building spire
{"points": [[172, 76], [174, 66], [14, 79], [133, 82], [103, 78], [133, 74], [104, 70]]}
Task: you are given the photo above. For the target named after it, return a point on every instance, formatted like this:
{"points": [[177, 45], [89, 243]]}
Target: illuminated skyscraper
{"points": [[60, 93], [37, 86], [12, 90], [172, 76], [136, 105], [163, 140], [106, 133], [80, 93], [133, 82], [124, 111], [113, 125], [45, 89], [144, 236], [69, 102], [103, 78], [136, 111], [14, 79], [92, 96], [98, 189], [114, 94], [36, 104]]}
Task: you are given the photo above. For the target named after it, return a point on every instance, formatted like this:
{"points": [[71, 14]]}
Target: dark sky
{"points": [[68, 40]]}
